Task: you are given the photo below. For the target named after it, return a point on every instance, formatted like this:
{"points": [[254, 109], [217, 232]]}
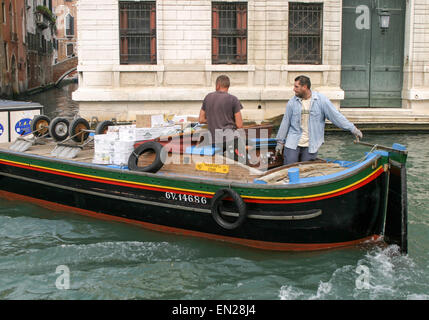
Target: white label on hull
{"points": [[185, 197]]}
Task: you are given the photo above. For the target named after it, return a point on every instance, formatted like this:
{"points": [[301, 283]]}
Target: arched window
{"points": [[69, 25]]}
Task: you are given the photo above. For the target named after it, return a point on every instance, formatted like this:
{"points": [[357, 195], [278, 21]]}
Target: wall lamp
{"points": [[384, 19]]}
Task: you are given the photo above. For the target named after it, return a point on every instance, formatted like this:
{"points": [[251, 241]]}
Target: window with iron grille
{"points": [[137, 27], [305, 33], [229, 33], [69, 49]]}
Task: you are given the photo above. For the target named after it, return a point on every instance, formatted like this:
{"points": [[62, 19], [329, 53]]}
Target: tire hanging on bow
{"points": [[216, 209]]}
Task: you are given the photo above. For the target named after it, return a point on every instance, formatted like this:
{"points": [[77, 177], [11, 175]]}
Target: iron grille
{"points": [[305, 33], [69, 50], [229, 33], [137, 32]]}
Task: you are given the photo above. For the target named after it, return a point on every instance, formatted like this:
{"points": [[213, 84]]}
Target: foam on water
{"points": [[288, 292], [390, 275]]}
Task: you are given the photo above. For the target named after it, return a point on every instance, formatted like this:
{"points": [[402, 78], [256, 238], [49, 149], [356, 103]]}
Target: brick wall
{"points": [[61, 68]]}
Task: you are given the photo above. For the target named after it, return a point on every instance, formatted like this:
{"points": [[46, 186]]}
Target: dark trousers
{"points": [[298, 155]]}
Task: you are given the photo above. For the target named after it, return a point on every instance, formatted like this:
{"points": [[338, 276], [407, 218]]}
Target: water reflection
{"points": [[56, 101]]}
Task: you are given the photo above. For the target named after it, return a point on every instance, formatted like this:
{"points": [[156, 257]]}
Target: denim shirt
{"points": [[320, 109]]}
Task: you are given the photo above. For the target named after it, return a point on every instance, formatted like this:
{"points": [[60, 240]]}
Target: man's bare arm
{"points": [[202, 118], [238, 120]]}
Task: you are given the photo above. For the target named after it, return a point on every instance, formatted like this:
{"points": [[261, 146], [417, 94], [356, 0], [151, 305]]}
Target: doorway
{"points": [[372, 53]]}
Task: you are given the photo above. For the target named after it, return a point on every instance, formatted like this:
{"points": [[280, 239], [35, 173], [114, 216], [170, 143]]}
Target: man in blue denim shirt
{"points": [[302, 130]]}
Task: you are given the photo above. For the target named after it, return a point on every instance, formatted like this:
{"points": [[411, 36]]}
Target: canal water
{"points": [[57, 101], [112, 260]]}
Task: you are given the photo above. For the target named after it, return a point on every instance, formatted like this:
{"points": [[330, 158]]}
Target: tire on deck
{"points": [[40, 125], [59, 128], [77, 129], [102, 126], [160, 156]]}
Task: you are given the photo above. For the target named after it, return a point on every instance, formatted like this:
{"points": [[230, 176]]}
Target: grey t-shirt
{"points": [[220, 108]]}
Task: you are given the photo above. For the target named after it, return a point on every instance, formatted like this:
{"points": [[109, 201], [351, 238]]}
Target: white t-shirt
{"points": [[305, 115]]}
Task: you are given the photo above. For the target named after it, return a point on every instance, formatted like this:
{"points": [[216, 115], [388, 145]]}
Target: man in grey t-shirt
{"points": [[221, 111]]}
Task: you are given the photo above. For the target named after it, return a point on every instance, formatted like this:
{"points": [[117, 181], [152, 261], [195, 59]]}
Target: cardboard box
{"points": [[120, 158], [185, 118], [143, 121], [149, 120], [117, 128], [104, 142], [124, 146], [102, 157]]}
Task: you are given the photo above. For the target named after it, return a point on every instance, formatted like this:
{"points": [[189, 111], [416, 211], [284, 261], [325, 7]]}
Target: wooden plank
{"points": [[186, 165], [305, 170]]}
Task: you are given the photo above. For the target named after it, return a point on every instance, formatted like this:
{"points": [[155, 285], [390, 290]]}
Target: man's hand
{"points": [[279, 148], [358, 134]]}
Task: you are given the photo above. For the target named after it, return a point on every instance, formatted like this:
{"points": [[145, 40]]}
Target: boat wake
{"points": [[382, 273]]}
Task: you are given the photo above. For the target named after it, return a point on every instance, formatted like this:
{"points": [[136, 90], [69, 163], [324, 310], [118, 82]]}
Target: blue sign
{"points": [[23, 126], [1, 129]]}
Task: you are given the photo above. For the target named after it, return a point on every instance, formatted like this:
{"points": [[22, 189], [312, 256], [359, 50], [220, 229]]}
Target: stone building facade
{"points": [[187, 47], [13, 34], [416, 62], [40, 27], [2, 61], [26, 45], [66, 32]]}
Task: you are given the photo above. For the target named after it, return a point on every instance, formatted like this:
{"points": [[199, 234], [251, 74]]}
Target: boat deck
{"points": [[45, 149], [215, 167]]}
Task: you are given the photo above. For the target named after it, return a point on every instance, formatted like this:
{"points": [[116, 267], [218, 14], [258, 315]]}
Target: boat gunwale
{"points": [[332, 178]]}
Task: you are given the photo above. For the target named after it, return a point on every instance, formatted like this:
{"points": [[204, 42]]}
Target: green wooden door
{"points": [[372, 59]]}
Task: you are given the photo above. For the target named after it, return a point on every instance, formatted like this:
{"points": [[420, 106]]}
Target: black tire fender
{"points": [[102, 126], [40, 125], [216, 207], [59, 133], [161, 155]]}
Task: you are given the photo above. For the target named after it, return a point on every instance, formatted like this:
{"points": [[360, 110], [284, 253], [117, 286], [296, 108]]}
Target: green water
{"points": [[109, 260]]}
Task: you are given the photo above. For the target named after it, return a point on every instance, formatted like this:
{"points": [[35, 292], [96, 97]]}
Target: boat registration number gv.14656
{"points": [[185, 197]]}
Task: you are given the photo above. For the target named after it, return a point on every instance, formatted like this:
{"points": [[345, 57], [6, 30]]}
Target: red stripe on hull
{"points": [[335, 194], [262, 201], [77, 176], [246, 242]]}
